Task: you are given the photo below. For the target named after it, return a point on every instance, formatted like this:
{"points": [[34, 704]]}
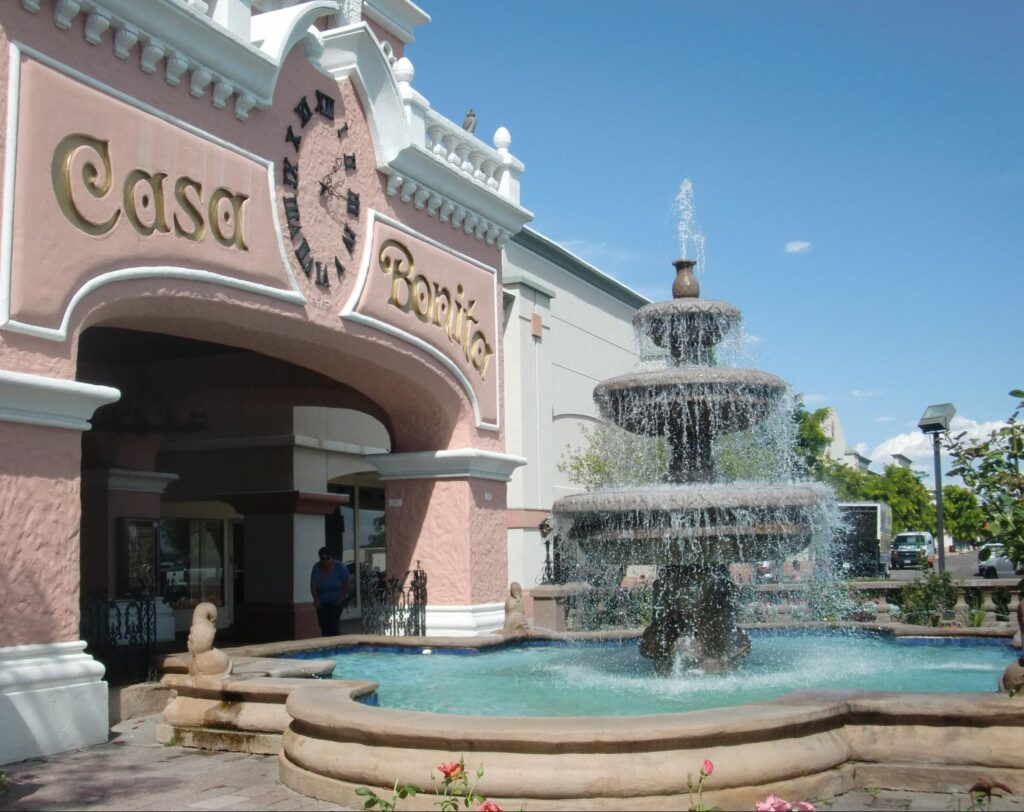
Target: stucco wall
{"points": [[39, 514]]}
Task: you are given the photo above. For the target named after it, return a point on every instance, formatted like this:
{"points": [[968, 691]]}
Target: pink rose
{"points": [[450, 770], [490, 806], [707, 767], [773, 803]]}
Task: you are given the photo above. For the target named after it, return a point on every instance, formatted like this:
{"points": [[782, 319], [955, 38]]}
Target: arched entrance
{"points": [[216, 478]]}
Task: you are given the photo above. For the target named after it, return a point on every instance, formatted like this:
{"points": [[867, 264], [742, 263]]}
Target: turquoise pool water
{"points": [[614, 680]]}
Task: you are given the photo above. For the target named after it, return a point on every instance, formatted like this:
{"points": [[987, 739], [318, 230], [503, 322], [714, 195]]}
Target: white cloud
{"points": [[884, 419], [797, 247], [865, 393], [814, 397], [918, 446], [751, 339], [862, 449]]}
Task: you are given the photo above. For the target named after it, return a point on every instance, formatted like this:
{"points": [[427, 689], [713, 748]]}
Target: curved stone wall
{"points": [[804, 745]]}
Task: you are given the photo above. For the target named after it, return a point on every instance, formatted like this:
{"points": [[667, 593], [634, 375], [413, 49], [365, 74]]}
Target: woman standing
{"points": [[329, 584]]}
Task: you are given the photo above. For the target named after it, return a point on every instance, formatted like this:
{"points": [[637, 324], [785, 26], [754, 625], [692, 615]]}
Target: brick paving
{"points": [[133, 772]]}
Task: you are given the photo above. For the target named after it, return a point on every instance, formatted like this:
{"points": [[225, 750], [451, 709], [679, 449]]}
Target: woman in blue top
{"points": [[329, 584]]}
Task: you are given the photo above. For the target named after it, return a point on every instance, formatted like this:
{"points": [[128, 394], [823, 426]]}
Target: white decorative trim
{"points": [[196, 43], [293, 296], [472, 463], [348, 311], [465, 621], [41, 401], [130, 481], [397, 17], [467, 175], [52, 699]]}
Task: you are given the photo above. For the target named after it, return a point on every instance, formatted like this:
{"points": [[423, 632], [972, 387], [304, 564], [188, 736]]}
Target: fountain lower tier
{"points": [[714, 523], [693, 532], [710, 401]]}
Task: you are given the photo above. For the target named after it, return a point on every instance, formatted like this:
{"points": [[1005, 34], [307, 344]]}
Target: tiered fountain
{"points": [[692, 526]]}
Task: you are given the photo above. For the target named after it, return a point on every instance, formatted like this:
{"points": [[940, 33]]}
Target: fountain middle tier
{"points": [[711, 400], [708, 522]]}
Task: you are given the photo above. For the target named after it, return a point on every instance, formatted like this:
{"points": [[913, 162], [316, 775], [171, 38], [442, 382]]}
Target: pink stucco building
{"points": [[250, 303]]}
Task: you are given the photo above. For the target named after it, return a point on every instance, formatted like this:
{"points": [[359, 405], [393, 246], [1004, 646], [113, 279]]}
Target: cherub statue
{"points": [[515, 615], [206, 661]]}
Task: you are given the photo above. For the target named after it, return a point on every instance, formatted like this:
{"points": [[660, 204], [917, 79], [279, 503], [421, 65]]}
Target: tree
{"points": [[991, 468], [898, 487], [911, 503], [810, 440], [963, 518], [610, 456]]}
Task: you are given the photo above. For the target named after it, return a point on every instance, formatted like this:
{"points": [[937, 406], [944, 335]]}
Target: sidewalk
{"points": [[133, 772]]}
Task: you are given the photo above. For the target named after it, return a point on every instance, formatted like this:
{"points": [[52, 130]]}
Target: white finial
{"points": [[502, 138], [404, 71]]}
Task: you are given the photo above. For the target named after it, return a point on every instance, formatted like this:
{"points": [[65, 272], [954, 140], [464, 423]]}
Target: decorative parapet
{"points": [[178, 37], [430, 162], [454, 154]]}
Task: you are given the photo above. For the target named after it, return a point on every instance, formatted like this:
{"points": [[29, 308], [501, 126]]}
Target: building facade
{"points": [[257, 297]]}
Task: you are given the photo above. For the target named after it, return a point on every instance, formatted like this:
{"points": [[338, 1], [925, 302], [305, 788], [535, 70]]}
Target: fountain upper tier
{"points": [[688, 328]]}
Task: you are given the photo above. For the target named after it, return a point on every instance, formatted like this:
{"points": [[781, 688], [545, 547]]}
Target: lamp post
{"points": [[935, 421]]}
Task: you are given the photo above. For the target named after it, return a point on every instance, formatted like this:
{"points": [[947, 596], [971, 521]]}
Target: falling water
{"points": [[721, 486]]}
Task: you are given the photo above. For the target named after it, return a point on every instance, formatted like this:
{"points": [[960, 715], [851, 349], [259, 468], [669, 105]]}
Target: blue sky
{"points": [[887, 138]]}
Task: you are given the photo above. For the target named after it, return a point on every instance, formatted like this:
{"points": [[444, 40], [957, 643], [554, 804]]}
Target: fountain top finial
{"points": [[685, 285]]}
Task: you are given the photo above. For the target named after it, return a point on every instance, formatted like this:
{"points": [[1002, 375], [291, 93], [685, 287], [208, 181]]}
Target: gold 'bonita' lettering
{"points": [[144, 198], [433, 304]]}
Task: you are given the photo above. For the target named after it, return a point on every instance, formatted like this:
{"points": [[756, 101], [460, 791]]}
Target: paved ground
{"points": [[132, 772]]}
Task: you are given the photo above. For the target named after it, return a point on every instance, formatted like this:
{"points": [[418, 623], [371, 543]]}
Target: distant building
{"points": [[837, 449], [902, 460]]}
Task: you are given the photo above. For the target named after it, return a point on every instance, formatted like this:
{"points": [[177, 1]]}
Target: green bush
{"points": [[925, 600]]}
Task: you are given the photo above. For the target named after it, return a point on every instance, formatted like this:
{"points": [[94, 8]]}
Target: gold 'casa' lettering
{"points": [[433, 304], [97, 180], [234, 217], [144, 199], [132, 196]]}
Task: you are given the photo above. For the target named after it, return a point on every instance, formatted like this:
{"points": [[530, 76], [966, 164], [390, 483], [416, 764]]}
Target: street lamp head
{"points": [[936, 418]]}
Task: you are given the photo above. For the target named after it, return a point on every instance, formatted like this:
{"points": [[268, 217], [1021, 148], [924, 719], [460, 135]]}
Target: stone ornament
{"points": [[1012, 680], [205, 660], [515, 615]]}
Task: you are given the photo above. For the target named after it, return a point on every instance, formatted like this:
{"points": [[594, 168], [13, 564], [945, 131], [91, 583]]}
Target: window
{"points": [[192, 561]]}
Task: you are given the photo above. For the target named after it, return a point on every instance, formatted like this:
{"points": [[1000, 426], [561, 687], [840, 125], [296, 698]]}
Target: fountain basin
{"points": [[722, 399], [807, 744]]}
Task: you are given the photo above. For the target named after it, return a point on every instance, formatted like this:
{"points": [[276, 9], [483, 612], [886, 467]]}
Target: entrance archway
{"points": [[208, 480]]}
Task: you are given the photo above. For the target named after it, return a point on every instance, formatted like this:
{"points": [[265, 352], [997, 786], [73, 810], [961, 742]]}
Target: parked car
{"points": [[993, 564], [909, 548]]}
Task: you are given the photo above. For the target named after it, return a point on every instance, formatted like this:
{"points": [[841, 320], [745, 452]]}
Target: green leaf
{"points": [[1017, 393], [365, 791]]}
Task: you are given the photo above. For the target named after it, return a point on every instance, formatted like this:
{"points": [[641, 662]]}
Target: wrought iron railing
{"points": [[396, 607], [121, 634]]}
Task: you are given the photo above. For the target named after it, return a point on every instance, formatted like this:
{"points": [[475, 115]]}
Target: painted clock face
{"points": [[321, 195]]}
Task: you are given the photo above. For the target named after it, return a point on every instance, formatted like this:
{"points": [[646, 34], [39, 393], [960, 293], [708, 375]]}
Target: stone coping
{"points": [[339, 716], [272, 659], [804, 744]]}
